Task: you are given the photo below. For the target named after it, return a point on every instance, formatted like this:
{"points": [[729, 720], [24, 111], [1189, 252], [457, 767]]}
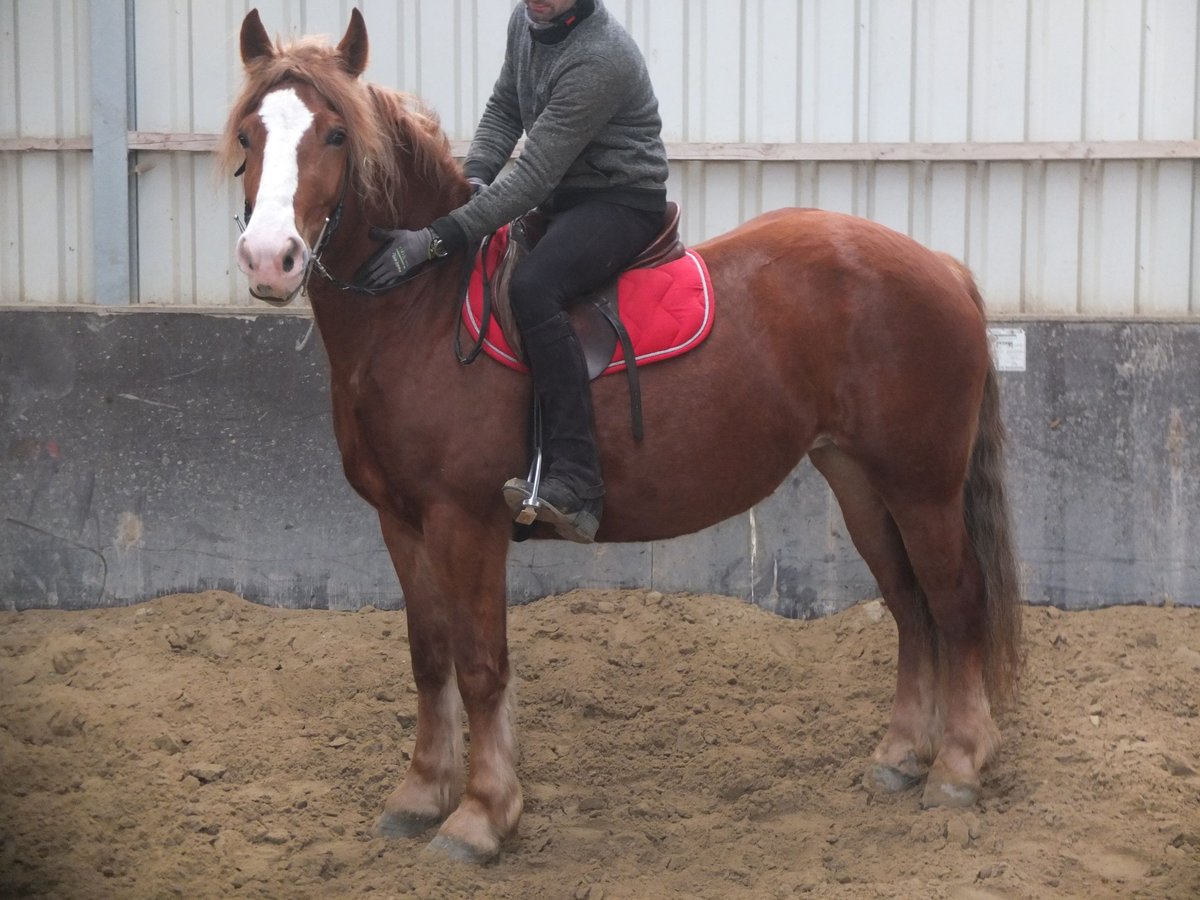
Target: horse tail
{"points": [[989, 528]]}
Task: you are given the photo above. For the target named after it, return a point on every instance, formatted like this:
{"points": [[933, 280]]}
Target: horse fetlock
{"points": [[416, 806], [910, 754], [404, 824], [895, 768]]}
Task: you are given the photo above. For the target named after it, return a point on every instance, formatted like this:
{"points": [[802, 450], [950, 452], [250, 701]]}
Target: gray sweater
{"points": [[591, 122]]}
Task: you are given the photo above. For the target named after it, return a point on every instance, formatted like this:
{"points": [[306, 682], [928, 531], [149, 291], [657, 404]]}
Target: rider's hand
{"points": [[402, 254], [477, 185]]}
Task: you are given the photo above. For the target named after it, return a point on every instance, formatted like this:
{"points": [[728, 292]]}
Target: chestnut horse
{"points": [[835, 337]]}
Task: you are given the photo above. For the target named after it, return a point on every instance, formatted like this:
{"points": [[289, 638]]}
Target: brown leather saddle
{"points": [[596, 316], [593, 316]]}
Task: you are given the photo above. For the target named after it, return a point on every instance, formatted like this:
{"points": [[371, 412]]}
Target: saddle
{"points": [[596, 316]]}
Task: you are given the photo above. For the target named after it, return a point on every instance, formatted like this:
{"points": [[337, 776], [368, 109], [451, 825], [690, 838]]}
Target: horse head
{"points": [[316, 140], [296, 153]]}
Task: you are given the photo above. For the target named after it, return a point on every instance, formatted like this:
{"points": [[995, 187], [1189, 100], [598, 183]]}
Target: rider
{"points": [[576, 84]]}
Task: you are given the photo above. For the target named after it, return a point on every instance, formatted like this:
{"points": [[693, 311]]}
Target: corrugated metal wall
{"points": [[45, 196], [918, 110]]}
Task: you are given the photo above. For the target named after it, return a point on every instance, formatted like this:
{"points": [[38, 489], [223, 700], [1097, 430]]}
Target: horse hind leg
{"points": [[945, 564], [913, 735]]}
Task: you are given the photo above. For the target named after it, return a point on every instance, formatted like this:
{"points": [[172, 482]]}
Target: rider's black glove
{"points": [[402, 255]]}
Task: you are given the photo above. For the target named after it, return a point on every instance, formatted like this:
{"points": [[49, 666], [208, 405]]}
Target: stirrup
{"points": [[528, 512], [579, 526]]}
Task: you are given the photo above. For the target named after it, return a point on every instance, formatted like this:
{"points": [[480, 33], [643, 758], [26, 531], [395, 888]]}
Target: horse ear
{"points": [[353, 48], [256, 43]]}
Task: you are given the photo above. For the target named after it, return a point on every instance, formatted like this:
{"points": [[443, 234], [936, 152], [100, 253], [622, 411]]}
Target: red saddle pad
{"points": [[667, 310]]}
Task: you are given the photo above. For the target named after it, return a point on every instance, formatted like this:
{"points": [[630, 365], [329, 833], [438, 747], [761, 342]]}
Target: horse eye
{"points": [[336, 139], [243, 140]]}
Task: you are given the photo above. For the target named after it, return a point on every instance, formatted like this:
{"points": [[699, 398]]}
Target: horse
{"points": [[835, 338]]}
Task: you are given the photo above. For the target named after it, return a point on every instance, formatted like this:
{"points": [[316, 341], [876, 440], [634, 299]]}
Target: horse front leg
{"points": [[434, 781], [468, 556]]}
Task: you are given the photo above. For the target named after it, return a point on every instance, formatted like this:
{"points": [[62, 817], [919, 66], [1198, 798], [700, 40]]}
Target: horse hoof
{"points": [[889, 779], [404, 825], [949, 794], [460, 851]]}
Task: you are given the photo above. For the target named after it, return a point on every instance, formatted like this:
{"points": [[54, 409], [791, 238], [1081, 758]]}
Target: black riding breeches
{"points": [[583, 248]]}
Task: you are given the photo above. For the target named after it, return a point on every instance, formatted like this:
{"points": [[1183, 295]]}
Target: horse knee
{"points": [[482, 684]]}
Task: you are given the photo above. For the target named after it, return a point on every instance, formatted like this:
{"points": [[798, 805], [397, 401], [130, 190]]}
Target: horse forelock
{"points": [[379, 121]]}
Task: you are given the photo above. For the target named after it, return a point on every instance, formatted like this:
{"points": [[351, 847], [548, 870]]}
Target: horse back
{"points": [[843, 278], [876, 327]]}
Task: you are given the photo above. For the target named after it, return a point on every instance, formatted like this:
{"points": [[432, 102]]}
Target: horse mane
{"points": [[382, 125]]}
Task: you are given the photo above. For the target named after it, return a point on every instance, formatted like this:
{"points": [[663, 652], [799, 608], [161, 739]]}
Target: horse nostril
{"points": [[246, 258], [293, 249]]}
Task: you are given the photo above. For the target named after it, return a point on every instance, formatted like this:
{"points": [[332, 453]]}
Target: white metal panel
{"points": [[1171, 31], [8, 70], [162, 36], [947, 207], [663, 40], [999, 220], [49, 65], [999, 71], [717, 60], [1057, 69], [941, 71], [889, 58], [1194, 301], [1053, 240], [890, 195], [45, 243], [1114, 68], [1164, 244], [1099, 237], [1109, 232], [772, 89], [829, 94], [184, 234]]}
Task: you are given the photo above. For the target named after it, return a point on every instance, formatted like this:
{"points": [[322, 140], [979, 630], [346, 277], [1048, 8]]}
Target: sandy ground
{"points": [[679, 746]]}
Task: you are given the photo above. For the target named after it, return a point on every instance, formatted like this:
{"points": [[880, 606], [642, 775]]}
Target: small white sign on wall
{"points": [[1008, 348]]}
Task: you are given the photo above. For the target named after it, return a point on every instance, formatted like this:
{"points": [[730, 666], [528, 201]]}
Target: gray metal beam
{"points": [[113, 234]]}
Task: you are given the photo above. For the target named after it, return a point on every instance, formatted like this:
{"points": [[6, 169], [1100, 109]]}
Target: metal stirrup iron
{"points": [[531, 504]]}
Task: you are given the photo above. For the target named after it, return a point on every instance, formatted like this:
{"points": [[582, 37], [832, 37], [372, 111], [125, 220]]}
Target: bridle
{"points": [[328, 229]]}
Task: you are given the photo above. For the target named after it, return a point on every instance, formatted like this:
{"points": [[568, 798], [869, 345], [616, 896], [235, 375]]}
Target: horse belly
{"points": [[714, 446]]}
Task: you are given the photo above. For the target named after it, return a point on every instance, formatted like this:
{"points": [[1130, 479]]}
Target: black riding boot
{"points": [[571, 489]]}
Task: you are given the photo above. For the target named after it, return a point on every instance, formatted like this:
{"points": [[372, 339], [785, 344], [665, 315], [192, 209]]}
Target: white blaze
{"points": [[286, 118]]}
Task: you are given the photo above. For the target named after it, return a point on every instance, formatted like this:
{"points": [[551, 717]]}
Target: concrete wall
{"points": [[149, 453]]}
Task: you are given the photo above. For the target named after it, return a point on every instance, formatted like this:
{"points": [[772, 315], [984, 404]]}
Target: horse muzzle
{"points": [[276, 270]]}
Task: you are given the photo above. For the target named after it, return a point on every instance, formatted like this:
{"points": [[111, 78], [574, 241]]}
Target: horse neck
{"points": [[424, 310]]}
